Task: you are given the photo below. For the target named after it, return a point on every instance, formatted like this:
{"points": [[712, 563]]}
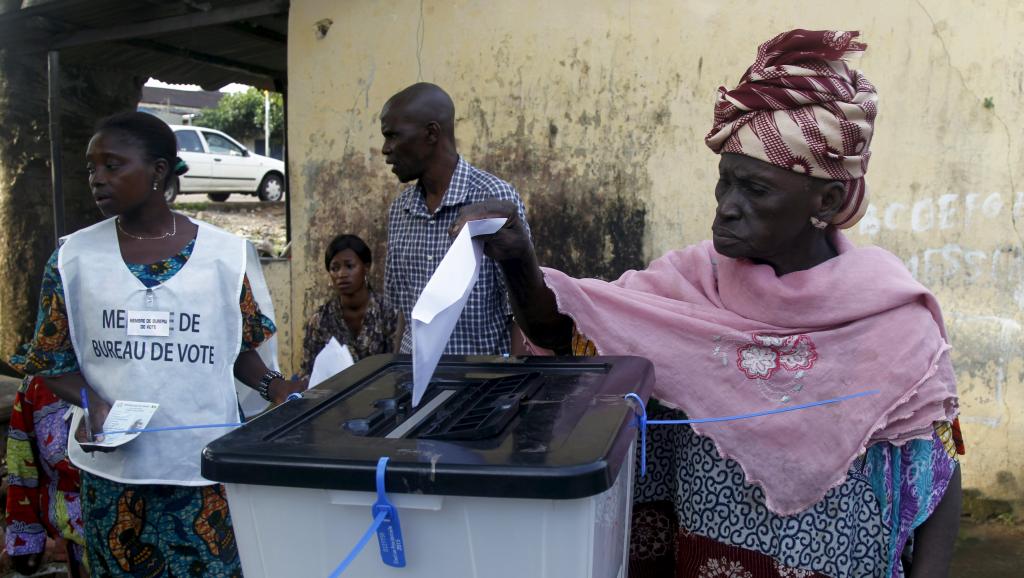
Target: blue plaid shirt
{"points": [[418, 240]]}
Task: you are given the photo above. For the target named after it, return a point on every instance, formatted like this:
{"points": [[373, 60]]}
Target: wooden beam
{"points": [[44, 9], [56, 152], [172, 24], [211, 59], [261, 32]]}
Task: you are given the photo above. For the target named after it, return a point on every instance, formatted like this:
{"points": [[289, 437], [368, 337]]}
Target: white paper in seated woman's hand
{"points": [[332, 360], [439, 306]]}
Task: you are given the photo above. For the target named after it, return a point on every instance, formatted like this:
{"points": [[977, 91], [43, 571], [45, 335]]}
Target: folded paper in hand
{"points": [[332, 360], [438, 309]]}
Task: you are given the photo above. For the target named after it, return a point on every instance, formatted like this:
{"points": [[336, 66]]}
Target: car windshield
{"points": [[188, 141], [221, 145]]}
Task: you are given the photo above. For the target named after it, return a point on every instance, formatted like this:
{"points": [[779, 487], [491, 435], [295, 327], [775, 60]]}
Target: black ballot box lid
{"points": [[520, 427]]}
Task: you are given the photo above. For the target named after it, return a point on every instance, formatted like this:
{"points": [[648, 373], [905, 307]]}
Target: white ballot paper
{"points": [[125, 415], [443, 299], [332, 360]]}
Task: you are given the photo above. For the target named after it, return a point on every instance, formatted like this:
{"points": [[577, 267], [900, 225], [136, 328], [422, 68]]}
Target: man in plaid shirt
{"points": [[418, 125]]}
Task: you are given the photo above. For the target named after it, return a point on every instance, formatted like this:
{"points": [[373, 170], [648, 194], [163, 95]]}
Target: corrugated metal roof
{"points": [[251, 49]]}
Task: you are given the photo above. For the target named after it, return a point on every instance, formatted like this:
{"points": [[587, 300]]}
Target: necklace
{"points": [[174, 230]]}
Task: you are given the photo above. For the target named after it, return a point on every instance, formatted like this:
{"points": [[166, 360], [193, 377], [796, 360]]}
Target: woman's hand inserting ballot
{"points": [[533, 304], [510, 243]]}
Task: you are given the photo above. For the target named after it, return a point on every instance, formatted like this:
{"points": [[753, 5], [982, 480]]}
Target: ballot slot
{"points": [[376, 401], [454, 409], [387, 412], [425, 411], [483, 411], [396, 414]]}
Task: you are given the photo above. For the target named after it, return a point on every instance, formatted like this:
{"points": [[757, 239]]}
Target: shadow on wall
{"points": [[586, 220], [347, 196]]}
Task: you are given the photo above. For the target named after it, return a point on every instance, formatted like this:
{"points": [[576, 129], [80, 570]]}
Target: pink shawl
{"points": [[728, 336]]}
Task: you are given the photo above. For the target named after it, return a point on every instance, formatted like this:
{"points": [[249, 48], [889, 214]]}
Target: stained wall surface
{"points": [[596, 110]]}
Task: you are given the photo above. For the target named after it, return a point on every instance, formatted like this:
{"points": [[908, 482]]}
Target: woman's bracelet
{"points": [[264, 386]]}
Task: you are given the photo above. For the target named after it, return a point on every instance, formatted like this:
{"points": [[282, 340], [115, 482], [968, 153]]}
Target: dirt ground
{"points": [[984, 550], [261, 223], [993, 549]]}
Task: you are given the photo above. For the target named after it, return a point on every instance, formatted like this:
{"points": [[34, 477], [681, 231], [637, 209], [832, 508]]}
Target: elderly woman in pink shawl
{"points": [[779, 308]]}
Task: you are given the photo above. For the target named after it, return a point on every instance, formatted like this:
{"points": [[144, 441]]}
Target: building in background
{"points": [[177, 106]]}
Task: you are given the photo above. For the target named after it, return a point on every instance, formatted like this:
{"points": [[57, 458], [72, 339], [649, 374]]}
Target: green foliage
{"points": [[191, 206], [241, 115]]}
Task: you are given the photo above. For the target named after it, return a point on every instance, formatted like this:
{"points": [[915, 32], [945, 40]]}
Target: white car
{"points": [[219, 166]]}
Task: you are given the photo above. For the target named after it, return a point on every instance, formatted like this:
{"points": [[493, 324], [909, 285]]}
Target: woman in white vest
{"points": [[150, 306]]}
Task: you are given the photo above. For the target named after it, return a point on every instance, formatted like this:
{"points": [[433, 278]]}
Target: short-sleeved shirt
{"points": [[418, 240]]}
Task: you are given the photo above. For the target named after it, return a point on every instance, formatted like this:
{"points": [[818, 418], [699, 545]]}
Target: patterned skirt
{"points": [[154, 530], [694, 515]]}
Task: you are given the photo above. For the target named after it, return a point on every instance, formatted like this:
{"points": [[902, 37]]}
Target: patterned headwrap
{"points": [[800, 107]]}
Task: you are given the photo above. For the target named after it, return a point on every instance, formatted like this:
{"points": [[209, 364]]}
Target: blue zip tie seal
{"points": [[389, 533], [389, 536]]}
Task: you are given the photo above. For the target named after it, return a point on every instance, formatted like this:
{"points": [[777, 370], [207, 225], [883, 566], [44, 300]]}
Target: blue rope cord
{"points": [[359, 545], [171, 428], [643, 422], [290, 397]]}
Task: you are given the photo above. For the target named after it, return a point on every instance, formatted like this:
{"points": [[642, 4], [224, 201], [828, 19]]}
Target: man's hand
{"points": [[511, 242]]}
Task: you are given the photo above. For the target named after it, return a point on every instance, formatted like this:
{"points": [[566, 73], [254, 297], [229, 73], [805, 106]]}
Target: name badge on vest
{"points": [[149, 323]]}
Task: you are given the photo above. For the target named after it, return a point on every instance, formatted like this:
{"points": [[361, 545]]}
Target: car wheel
{"points": [[171, 191], [272, 187], [218, 197]]}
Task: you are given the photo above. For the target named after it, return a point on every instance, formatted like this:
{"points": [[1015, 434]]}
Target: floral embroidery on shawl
{"points": [[769, 353]]}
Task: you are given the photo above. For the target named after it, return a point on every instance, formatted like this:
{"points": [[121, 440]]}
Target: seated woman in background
{"points": [[354, 315]]}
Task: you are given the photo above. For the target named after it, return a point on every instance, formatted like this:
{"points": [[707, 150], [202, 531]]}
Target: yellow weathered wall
{"points": [[596, 111], [278, 274]]}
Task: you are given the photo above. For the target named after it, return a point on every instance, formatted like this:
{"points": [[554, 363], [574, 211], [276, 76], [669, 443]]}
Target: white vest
{"points": [[189, 373]]}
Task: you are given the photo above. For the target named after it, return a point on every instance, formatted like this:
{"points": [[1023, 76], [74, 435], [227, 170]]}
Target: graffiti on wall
{"points": [[949, 211], [986, 331]]}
